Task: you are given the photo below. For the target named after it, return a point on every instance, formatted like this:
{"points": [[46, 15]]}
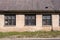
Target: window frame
{"points": [[13, 19], [30, 19], [50, 20], [59, 19]]}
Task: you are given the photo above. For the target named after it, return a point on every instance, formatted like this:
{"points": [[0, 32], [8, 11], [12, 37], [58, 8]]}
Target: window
{"points": [[10, 19], [59, 19], [30, 19], [47, 19]]}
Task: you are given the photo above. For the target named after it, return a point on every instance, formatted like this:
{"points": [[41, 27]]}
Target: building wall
{"points": [[55, 22], [20, 24]]}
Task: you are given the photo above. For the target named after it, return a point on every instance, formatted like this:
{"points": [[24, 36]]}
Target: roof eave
{"points": [[30, 11]]}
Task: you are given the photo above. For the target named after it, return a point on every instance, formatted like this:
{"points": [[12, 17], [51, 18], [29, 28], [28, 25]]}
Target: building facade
{"points": [[29, 15]]}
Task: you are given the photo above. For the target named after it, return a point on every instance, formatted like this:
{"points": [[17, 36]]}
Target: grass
{"points": [[37, 34]]}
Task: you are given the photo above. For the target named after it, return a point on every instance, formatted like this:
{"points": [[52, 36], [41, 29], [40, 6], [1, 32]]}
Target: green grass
{"points": [[37, 34]]}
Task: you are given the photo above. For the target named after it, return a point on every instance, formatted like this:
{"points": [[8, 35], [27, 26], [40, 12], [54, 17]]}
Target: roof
{"points": [[29, 4]]}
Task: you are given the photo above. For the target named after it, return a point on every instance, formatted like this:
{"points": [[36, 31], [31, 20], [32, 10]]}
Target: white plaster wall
{"points": [[55, 21]]}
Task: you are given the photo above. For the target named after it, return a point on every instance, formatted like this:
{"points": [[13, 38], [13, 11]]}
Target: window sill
{"points": [[29, 25], [9, 25], [47, 26]]}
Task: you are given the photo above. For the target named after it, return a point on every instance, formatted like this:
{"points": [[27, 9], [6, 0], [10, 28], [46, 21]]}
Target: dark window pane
{"points": [[10, 22], [6, 22], [44, 22], [13, 22]]}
